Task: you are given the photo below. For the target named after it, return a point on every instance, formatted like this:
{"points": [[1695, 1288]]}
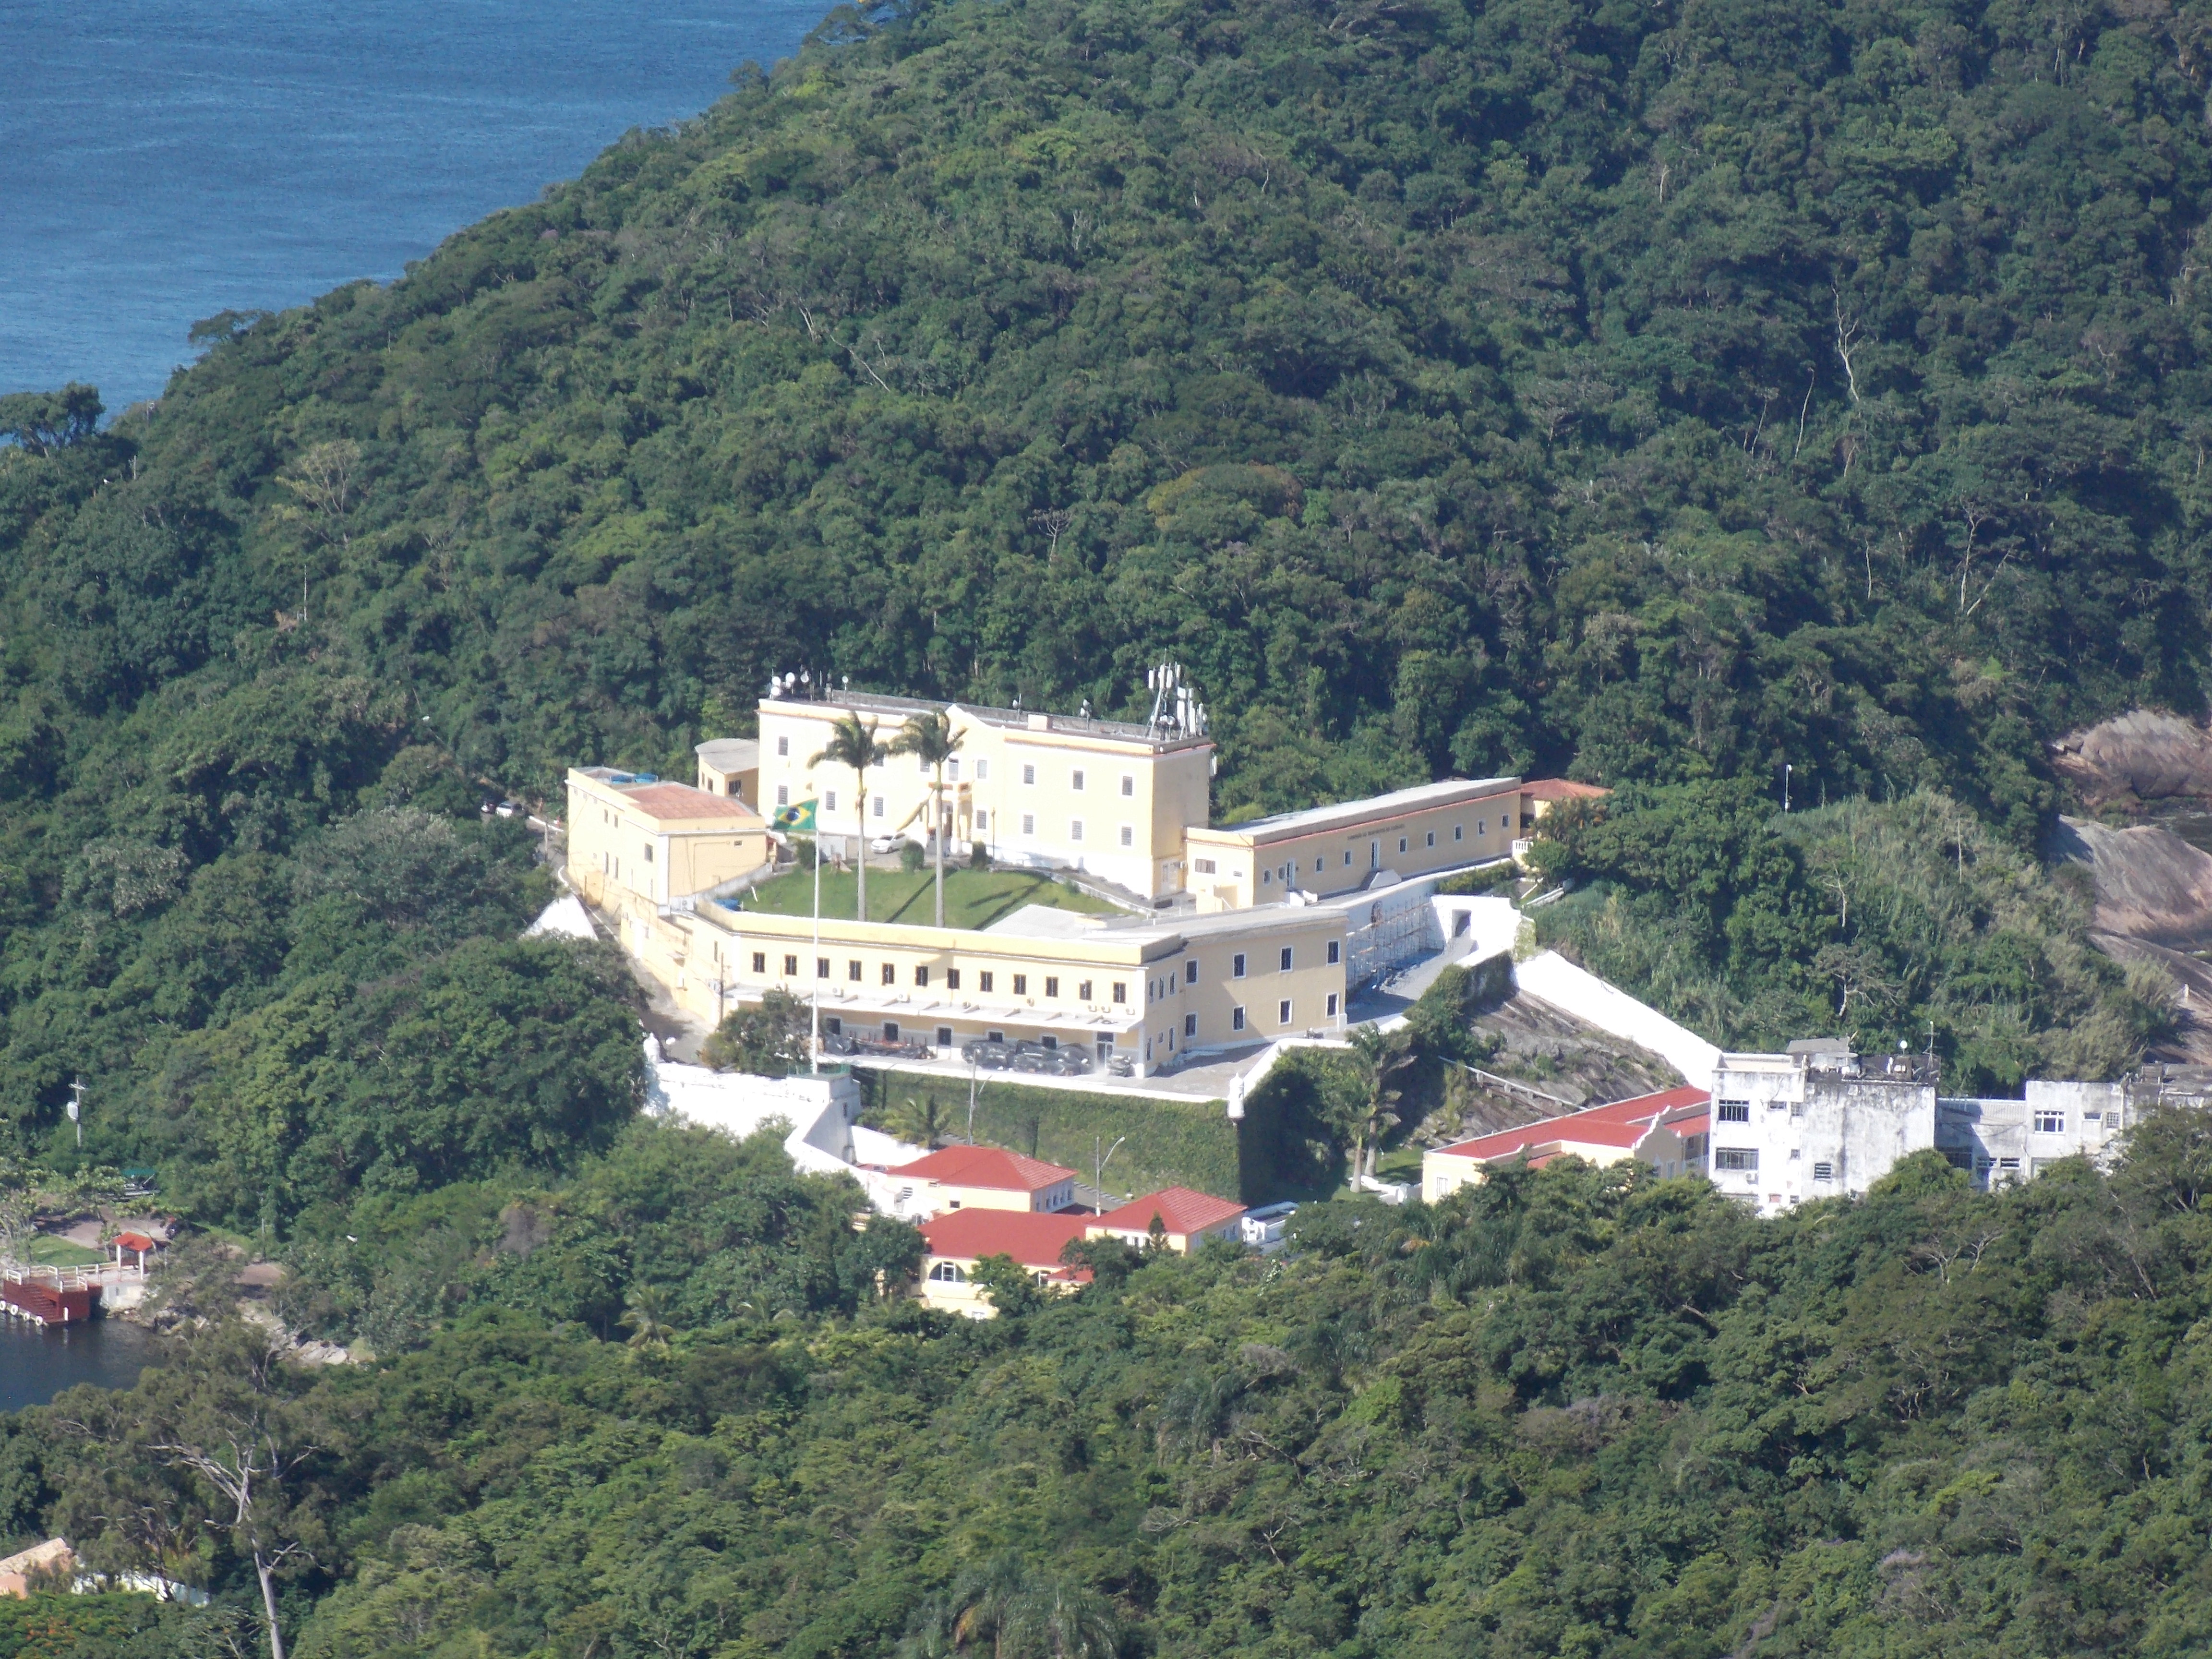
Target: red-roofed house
{"points": [[984, 1178], [1669, 1130], [959, 1239], [1189, 1217]]}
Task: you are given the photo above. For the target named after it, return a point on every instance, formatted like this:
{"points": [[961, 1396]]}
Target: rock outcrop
{"points": [[2139, 757]]}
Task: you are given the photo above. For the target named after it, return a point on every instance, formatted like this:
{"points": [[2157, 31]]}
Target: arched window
{"points": [[949, 1273]]}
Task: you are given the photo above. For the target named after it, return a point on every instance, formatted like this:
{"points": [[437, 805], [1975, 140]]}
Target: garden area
{"points": [[973, 898]]}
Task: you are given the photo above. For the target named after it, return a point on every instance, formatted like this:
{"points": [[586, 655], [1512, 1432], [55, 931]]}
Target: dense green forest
{"points": [[1657, 394], [1569, 1412]]}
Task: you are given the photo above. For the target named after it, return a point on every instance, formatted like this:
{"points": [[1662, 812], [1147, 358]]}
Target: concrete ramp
{"points": [[1552, 978]]}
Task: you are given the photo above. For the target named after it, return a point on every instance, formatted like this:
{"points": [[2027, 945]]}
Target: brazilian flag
{"points": [[794, 820]]}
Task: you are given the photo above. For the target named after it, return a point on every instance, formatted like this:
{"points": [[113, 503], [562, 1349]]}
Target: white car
{"points": [[886, 843]]}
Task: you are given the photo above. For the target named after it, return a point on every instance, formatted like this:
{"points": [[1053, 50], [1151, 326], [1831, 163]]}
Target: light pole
{"points": [[1786, 769], [1098, 1168], [76, 1110], [971, 1102]]}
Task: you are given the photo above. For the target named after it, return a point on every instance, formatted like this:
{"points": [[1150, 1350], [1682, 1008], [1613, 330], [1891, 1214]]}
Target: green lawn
{"points": [[47, 1251], [973, 898]]}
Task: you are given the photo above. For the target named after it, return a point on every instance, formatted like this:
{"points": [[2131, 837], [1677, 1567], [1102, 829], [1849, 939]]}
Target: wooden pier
{"points": [[49, 1296]]}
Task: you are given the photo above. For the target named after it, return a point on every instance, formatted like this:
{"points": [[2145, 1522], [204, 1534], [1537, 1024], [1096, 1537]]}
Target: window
{"points": [[982, 820], [951, 979], [1266, 877], [1128, 784], [853, 971], [1332, 1005], [760, 961], [1287, 870], [1432, 838], [983, 981], [1075, 830], [1401, 843], [2050, 1123], [2008, 1164], [1348, 858], [1744, 1159], [922, 766], [2092, 1117], [1236, 1020], [1286, 958], [1482, 826], [648, 852], [791, 965], [1204, 866], [1021, 985], [1075, 780], [1190, 971], [1128, 835], [1282, 1013], [1320, 865], [1190, 1025], [952, 769], [1459, 831], [783, 746], [1959, 1158], [1028, 775], [830, 801], [1083, 990], [835, 1026], [921, 978], [1029, 824], [1237, 966], [945, 1036], [983, 770], [821, 967], [1734, 1111], [891, 1030], [948, 1272], [1122, 990], [1052, 985], [783, 794], [876, 807], [1335, 951]]}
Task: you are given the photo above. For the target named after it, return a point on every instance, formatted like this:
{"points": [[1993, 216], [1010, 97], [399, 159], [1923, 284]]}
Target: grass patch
{"points": [[47, 1251], [1169, 1145], [973, 898]]}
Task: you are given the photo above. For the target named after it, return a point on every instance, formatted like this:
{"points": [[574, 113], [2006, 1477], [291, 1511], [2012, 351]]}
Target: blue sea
{"points": [[162, 160]]}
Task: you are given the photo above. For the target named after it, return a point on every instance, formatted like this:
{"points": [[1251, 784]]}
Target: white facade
{"points": [[1785, 1131]]}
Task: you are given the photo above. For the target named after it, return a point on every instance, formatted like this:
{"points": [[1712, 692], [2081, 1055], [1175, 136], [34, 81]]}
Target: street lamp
{"points": [[1098, 1168], [1786, 769]]}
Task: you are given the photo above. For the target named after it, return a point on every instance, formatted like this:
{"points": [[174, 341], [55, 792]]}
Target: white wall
{"points": [[1552, 978]]}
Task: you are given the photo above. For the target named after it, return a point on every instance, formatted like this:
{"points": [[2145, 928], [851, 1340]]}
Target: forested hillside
{"points": [[1659, 394], [1568, 1412]]}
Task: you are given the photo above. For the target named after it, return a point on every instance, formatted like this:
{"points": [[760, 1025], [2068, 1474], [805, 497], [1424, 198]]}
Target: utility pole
{"points": [[76, 1108], [1098, 1167]]}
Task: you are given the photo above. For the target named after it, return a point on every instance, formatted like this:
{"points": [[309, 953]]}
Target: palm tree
{"points": [[1377, 1057], [647, 1319], [930, 735], [921, 1121], [853, 742]]}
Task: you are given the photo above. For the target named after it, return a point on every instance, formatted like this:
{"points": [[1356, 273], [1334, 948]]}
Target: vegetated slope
{"points": [[1654, 392], [1567, 1412]]}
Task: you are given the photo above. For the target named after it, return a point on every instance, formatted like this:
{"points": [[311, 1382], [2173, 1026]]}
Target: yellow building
{"points": [[638, 845], [730, 766], [1145, 988], [1340, 848], [1111, 797]]}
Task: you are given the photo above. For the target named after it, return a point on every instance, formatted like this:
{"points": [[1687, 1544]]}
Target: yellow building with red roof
{"points": [[982, 1178], [1670, 1131], [1186, 1217]]}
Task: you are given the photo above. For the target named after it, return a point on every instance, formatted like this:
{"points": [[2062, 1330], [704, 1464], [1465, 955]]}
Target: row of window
{"points": [[1287, 873], [1078, 779], [986, 979]]}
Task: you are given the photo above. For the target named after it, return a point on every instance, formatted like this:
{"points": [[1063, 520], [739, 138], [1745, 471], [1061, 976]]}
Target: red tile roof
{"points": [[1032, 1239], [1560, 789], [680, 801], [134, 1241], [1181, 1212], [1619, 1123], [985, 1166]]}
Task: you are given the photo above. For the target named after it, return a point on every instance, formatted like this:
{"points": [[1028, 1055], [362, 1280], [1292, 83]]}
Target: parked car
{"points": [[991, 1056], [1069, 1062], [1122, 1065], [1027, 1058]]}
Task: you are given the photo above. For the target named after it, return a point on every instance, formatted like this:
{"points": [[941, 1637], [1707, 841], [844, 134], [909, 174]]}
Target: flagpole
{"points": [[815, 1045]]}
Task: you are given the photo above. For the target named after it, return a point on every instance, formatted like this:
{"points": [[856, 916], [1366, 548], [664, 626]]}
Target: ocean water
{"points": [[36, 1364], [162, 160]]}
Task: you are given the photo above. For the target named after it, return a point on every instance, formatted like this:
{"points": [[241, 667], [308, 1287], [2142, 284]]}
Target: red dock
{"points": [[51, 1299]]}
